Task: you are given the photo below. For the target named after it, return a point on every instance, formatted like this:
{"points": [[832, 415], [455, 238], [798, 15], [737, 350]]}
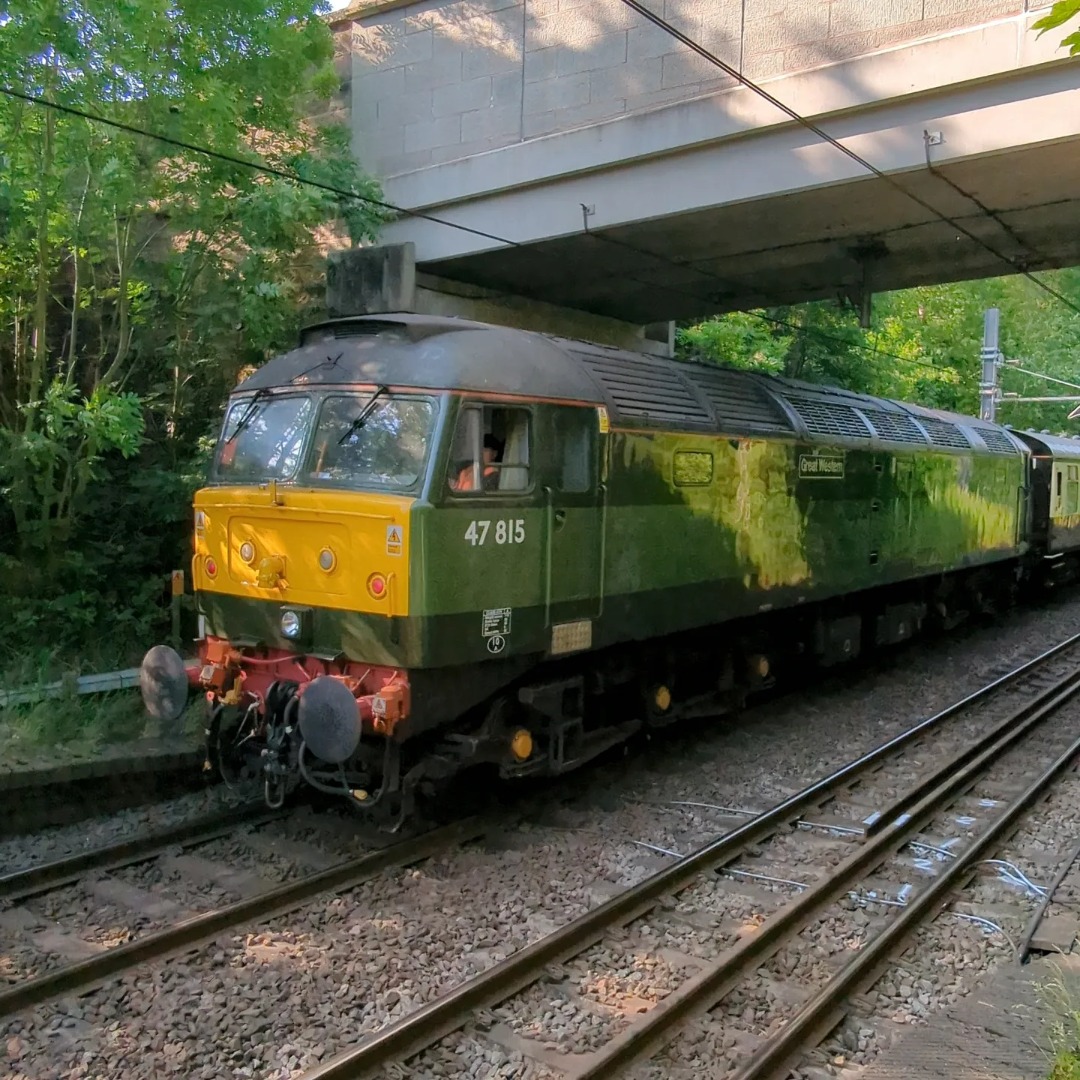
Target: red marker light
{"points": [[376, 585], [211, 567]]}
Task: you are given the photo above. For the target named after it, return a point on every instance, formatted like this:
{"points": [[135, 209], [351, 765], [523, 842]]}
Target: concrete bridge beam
{"points": [[718, 201]]}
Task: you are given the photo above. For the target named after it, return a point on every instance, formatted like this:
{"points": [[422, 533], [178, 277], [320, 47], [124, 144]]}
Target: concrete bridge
{"points": [[639, 183]]}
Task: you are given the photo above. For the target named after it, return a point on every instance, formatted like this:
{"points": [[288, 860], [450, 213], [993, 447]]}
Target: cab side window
{"points": [[490, 452], [572, 441]]}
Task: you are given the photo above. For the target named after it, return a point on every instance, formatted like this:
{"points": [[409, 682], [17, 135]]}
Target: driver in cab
{"points": [[489, 474]]}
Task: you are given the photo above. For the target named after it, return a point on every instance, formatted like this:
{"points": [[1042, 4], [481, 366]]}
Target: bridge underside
{"points": [[722, 203], [841, 240]]}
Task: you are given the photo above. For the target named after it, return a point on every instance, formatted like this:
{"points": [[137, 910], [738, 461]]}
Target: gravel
{"points": [[19, 852], [271, 1002]]}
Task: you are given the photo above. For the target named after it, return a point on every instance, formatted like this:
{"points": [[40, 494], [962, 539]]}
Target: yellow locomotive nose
{"points": [[327, 549]]}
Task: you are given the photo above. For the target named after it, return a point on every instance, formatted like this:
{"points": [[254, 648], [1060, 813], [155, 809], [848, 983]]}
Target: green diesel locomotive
{"points": [[427, 544]]}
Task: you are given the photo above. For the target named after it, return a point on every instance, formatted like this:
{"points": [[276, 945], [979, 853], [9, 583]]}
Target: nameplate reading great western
{"points": [[821, 467]]}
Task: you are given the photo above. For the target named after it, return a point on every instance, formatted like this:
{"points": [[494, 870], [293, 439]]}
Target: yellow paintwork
{"points": [[289, 528]]}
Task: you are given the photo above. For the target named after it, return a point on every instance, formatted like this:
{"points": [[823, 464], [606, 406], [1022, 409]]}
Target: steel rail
{"points": [[87, 974], [1037, 916], [903, 803], [20, 884], [829, 1005], [425, 1026], [705, 989]]}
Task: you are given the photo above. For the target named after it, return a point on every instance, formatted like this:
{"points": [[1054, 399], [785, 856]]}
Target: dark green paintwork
{"points": [[760, 534], [644, 557]]}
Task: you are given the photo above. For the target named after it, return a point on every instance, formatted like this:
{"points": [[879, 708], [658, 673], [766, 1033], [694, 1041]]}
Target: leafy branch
{"points": [[1062, 12]]}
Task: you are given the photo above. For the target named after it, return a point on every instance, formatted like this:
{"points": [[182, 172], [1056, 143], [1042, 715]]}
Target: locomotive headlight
{"points": [[290, 624], [247, 551]]}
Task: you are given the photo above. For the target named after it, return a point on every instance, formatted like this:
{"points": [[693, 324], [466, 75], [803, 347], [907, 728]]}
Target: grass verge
{"points": [[80, 725], [1060, 997]]}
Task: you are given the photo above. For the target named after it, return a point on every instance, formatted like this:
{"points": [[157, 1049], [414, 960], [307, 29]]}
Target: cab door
{"points": [[575, 525]]}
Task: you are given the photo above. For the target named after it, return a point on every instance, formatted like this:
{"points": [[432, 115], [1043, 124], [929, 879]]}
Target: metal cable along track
{"points": [[430, 1023]]}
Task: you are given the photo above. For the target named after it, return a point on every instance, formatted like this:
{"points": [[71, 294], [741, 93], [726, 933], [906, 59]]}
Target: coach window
{"points": [[573, 444], [1072, 491], [693, 468], [490, 453]]}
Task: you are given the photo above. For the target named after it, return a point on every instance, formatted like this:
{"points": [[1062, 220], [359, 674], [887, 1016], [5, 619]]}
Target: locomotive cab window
{"points": [[490, 452], [371, 440], [262, 439], [572, 441]]}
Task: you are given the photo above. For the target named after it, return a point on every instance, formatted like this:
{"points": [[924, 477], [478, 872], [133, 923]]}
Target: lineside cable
{"points": [[270, 170]]}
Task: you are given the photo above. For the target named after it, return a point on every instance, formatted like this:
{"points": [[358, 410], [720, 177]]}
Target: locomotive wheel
{"points": [[225, 754]]}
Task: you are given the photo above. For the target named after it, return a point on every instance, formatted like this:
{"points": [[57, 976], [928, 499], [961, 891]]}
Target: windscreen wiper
{"points": [[249, 413], [365, 412]]}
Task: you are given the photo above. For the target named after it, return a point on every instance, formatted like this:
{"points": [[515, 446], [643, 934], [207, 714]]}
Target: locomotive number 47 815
{"points": [[505, 532]]}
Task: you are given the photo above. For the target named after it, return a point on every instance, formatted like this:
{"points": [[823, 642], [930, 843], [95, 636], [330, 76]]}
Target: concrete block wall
{"points": [[436, 80]]}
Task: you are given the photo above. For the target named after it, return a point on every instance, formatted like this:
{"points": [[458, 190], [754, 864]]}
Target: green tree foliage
{"points": [[137, 279], [923, 346], [1062, 12]]}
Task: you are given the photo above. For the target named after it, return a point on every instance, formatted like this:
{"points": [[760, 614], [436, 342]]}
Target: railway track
{"points": [[847, 834], [83, 975], [23, 884]]}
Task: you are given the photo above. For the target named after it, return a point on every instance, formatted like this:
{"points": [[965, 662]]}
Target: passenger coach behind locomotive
{"points": [[427, 544]]}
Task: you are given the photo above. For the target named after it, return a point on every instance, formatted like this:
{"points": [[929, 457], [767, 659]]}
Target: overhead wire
{"points": [[298, 178], [822, 335], [713, 59], [258, 166]]}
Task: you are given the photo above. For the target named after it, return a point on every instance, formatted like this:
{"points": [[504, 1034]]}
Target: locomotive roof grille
{"points": [[997, 442], [647, 390], [739, 403], [441, 353], [825, 418], [895, 427], [348, 328], [942, 433]]}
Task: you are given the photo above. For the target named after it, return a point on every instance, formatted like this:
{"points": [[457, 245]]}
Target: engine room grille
{"points": [[824, 418], [739, 403], [942, 433], [996, 441], [896, 427], [650, 391]]}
